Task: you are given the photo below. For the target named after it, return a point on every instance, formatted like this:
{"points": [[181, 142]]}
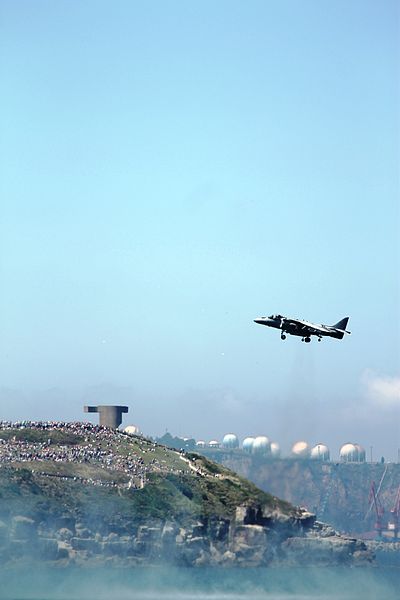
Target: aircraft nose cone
{"points": [[259, 321]]}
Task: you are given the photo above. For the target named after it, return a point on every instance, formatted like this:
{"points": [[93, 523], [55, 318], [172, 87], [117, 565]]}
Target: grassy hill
{"points": [[97, 474]]}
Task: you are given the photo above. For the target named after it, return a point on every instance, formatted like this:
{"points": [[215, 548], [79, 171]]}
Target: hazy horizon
{"points": [[169, 172]]}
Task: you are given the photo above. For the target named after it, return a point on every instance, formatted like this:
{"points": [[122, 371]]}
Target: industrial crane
{"points": [[379, 510], [393, 525]]}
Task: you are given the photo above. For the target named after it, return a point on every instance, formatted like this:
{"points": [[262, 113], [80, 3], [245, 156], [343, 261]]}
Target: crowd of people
{"points": [[95, 445]]}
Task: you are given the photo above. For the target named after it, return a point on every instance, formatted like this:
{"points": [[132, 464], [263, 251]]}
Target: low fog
{"points": [[173, 584]]}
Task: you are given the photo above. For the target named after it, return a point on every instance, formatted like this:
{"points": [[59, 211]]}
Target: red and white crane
{"points": [[393, 524], [379, 510]]}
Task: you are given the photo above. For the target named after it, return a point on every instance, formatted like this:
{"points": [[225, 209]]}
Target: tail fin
{"points": [[341, 324]]}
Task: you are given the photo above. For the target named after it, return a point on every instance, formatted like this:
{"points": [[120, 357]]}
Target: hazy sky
{"points": [[171, 170]]}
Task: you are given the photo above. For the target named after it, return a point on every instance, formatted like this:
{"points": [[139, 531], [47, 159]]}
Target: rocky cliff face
{"points": [[243, 541]]}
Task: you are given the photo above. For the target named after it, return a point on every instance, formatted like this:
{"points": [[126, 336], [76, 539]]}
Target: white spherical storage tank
{"points": [[348, 453], [361, 453], [230, 441], [261, 445], [275, 450], [320, 452], [213, 444], [132, 430], [248, 444], [301, 450]]}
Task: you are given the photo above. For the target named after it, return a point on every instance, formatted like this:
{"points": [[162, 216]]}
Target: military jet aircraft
{"points": [[304, 329]]}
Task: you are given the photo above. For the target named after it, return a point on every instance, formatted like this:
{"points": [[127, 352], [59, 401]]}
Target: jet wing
{"points": [[288, 321], [306, 326]]}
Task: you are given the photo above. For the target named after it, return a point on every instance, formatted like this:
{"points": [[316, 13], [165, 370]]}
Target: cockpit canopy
{"points": [[274, 317]]}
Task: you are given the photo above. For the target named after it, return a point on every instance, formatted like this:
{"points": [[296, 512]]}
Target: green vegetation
{"points": [[167, 497], [176, 442]]}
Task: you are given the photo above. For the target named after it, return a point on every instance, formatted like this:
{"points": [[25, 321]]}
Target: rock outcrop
{"points": [[253, 538]]}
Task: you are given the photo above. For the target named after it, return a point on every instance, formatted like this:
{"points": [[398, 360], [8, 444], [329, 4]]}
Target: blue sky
{"points": [[170, 171]]}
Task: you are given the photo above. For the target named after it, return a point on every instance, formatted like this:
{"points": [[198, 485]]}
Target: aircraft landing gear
{"points": [[307, 339], [283, 336], [319, 339]]}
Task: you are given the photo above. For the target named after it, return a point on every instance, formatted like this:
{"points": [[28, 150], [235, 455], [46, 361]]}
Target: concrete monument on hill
{"points": [[110, 416]]}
